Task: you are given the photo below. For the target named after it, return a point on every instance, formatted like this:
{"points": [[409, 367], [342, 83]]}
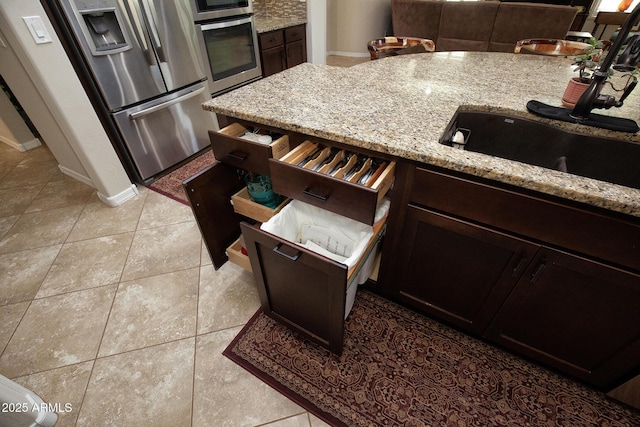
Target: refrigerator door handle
{"points": [[136, 26], [150, 110], [153, 29]]}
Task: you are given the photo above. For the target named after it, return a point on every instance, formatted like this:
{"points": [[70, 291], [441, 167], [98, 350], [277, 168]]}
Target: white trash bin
{"points": [[335, 236]]}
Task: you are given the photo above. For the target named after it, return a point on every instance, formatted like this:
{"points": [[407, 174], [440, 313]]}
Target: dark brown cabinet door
{"points": [[209, 193], [273, 61], [458, 271], [282, 49], [574, 314], [299, 288], [296, 53]]}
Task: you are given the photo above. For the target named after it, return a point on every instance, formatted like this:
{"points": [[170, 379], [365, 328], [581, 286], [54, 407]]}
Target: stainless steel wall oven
{"points": [[204, 10], [230, 51]]}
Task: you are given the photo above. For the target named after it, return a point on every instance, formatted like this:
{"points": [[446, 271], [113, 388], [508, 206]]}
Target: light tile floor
{"points": [[118, 312], [346, 61]]}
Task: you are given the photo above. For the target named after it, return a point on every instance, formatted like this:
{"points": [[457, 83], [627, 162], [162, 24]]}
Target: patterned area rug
{"points": [[399, 368], [170, 185]]}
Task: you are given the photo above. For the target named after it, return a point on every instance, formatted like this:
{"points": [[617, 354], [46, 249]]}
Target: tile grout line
{"points": [[195, 340], [30, 301]]}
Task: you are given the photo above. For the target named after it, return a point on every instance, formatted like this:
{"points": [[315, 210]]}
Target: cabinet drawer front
{"points": [[294, 33], [344, 198], [244, 154], [294, 176], [271, 39], [589, 233]]}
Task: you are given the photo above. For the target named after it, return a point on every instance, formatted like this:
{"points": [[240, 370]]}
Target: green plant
{"points": [[587, 62]]}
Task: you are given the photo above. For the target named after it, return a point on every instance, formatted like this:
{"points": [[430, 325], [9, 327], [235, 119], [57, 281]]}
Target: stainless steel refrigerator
{"points": [[143, 57]]}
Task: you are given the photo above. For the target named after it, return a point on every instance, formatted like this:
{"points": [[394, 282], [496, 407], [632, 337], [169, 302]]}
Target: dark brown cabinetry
{"points": [[477, 256], [299, 287], [282, 49], [549, 279], [211, 190], [209, 193], [456, 270], [574, 314]]}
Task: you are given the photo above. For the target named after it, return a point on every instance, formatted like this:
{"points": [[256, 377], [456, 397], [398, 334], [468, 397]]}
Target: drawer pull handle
{"points": [[238, 155], [291, 257], [520, 264], [539, 270], [314, 195]]}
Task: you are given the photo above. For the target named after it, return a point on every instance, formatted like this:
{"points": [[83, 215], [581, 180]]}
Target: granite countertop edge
{"points": [[584, 190], [592, 192], [264, 25]]}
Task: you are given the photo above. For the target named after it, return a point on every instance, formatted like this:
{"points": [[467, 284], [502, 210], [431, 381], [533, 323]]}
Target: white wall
{"points": [[317, 31], [23, 88], [74, 135], [352, 23], [13, 130]]}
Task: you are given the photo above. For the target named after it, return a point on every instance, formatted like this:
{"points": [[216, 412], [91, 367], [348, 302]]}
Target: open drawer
{"points": [[237, 256], [242, 148], [338, 180], [243, 205], [310, 293]]}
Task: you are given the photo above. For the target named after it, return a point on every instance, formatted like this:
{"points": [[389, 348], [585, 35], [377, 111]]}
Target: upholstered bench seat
{"points": [[479, 26]]}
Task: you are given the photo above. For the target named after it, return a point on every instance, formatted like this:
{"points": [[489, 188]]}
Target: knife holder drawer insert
{"points": [[338, 180]]}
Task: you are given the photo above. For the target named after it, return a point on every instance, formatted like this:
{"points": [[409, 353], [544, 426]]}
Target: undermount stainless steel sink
{"points": [[535, 143]]}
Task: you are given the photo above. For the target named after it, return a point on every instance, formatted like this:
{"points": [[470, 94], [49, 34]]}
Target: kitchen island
{"points": [[402, 105], [542, 262]]}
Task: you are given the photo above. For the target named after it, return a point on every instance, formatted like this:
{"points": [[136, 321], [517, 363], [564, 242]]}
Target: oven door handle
{"points": [[225, 24], [150, 110]]}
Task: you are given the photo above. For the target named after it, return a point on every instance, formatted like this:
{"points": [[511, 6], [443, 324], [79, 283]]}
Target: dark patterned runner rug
{"points": [[170, 185], [399, 368]]}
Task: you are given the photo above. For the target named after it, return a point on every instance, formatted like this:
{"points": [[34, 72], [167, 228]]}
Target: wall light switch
{"points": [[37, 29]]}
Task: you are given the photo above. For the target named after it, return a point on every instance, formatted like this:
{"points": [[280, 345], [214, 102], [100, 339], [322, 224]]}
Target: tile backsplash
{"points": [[280, 9]]}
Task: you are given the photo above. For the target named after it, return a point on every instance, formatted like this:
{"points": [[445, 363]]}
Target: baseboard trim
{"points": [[349, 54], [75, 175], [119, 199], [22, 147], [112, 201]]}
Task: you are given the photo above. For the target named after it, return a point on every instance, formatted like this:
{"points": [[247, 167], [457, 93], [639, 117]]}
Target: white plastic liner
{"points": [[297, 216], [319, 223]]}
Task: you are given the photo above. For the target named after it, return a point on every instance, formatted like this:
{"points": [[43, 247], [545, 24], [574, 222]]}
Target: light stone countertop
{"points": [[402, 105], [264, 25]]}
